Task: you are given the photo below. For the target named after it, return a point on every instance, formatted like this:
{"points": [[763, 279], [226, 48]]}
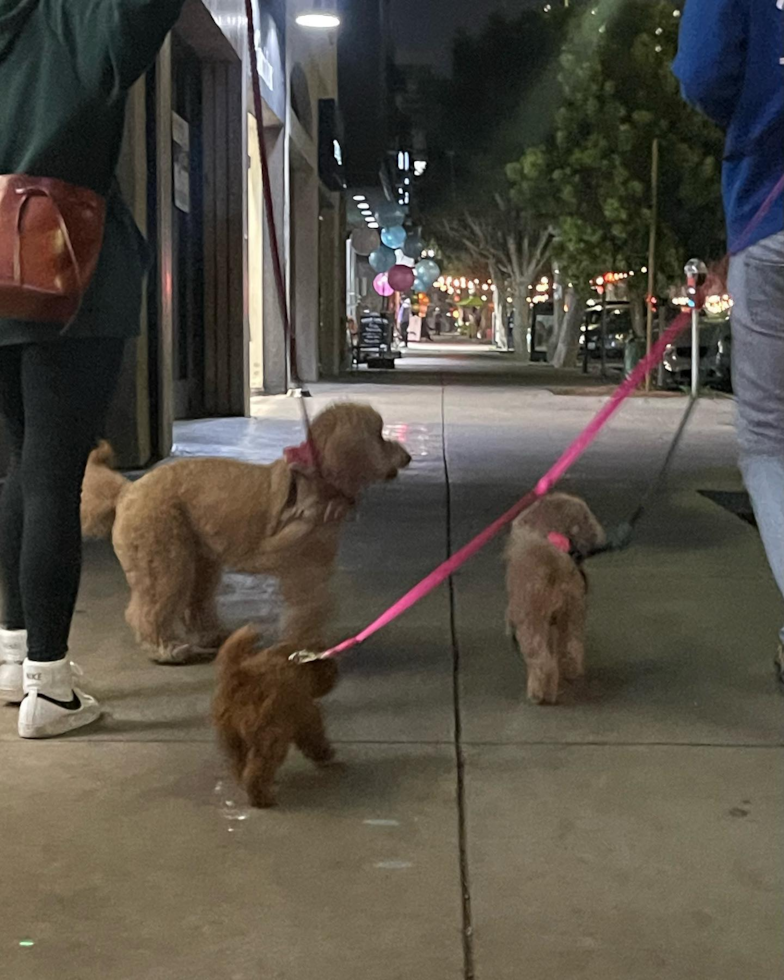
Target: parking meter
{"points": [[696, 277]]}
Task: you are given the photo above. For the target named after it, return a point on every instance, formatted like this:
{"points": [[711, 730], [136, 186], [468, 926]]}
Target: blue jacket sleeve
{"points": [[711, 57]]}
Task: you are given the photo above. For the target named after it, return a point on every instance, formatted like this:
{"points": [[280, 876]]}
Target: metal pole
{"points": [[603, 337], [652, 251], [696, 276], [695, 352]]}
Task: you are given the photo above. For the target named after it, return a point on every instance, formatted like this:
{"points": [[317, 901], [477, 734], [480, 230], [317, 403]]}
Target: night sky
{"points": [[424, 28]]}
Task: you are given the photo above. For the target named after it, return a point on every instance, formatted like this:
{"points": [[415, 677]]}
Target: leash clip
{"points": [[302, 657]]}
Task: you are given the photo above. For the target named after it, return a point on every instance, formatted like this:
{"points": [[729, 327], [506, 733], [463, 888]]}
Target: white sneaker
{"points": [[52, 705], [13, 650]]}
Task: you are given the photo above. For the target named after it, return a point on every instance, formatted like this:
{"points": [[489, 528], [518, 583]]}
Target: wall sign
{"points": [[181, 157]]}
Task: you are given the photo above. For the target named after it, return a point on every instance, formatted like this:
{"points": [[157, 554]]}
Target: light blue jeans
{"points": [[756, 283]]}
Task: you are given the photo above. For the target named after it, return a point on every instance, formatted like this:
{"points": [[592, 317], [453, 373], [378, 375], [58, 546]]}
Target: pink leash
{"points": [[444, 571]]}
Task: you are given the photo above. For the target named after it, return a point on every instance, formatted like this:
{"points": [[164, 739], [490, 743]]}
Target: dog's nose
{"points": [[407, 459]]}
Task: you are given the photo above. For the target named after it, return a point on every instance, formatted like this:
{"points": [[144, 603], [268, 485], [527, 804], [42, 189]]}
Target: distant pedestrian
{"points": [[730, 67], [66, 67], [438, 323], [403, 322]]}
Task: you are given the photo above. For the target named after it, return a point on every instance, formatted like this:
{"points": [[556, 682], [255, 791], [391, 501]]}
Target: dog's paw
{"points": [[326, 758], [262, 799], [209, 642], [542, 694], [182, 655]]}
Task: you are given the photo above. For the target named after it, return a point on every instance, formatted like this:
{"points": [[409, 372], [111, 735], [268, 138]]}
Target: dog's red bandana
{"points": [[301, 456], [560, 541]]}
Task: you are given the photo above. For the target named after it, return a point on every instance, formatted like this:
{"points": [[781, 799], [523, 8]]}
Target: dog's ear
{"points": [[586, 532], [350, 460]]}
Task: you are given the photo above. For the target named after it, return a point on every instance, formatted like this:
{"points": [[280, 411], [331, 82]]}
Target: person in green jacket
{"points": [[66, 67]]}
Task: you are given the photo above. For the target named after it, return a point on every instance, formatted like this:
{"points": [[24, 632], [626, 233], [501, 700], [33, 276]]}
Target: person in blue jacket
{"points": [[730, 65]]}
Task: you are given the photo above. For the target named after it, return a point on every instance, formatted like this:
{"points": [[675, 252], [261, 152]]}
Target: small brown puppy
{"points": [[263, 703], [547, 590]]}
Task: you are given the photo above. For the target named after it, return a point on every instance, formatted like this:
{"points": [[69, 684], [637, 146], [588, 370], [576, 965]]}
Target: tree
{"points": [[506, 244], [592, 176]]}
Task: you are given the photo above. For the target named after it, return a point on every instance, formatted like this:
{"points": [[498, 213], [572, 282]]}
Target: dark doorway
{"points": [[187, 233]]}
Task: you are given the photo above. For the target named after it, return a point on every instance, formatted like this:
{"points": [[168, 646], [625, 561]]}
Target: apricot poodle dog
{"points": [[262, 705], [177, 528], [547, 590]]}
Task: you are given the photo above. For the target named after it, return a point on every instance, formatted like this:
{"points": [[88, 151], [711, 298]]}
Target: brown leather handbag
{"points": [[51, 235]]}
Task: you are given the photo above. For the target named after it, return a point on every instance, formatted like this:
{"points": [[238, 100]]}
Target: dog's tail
{"points": [[101, 490], [242, 655], [239, 647]]}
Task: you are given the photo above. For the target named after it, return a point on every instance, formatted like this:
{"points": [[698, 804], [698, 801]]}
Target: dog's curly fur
{"points": [[263, 704], [180, 525], [547, 591]]}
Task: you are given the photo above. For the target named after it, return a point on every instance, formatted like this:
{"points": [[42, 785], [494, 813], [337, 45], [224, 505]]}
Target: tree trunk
{"points": [[500, 313], [569, 342], [522, 317], [486, 322], [558, 316], [637, 313]]}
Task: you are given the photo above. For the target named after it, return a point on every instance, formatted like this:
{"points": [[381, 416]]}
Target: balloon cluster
{"points": [[393, 255]]}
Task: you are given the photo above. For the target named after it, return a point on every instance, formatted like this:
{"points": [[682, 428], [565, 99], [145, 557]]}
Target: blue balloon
{"points": [[413, 246], [382, 259], [389, 214], [394, 237], [420, 287], [428, 271]]}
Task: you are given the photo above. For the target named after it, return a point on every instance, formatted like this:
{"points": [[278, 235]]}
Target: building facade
{"points": [[384, 155], [212, 333]]}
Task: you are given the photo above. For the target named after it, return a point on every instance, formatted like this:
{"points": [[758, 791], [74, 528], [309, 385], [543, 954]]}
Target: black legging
{"points": [[54, 398]]}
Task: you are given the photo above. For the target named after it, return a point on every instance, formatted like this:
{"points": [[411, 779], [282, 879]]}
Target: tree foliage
{"points": [[593, 175]]}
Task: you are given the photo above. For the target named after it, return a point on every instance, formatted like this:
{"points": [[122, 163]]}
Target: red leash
{"points": [[556, 472], [548, 481]]}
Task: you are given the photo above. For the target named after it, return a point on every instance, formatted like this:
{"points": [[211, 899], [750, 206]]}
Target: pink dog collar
{"points": [[560, 541], [302, 456]]}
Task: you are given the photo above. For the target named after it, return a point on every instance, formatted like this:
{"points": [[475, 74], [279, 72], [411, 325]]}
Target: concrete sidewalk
{"points": [[635, 832]]}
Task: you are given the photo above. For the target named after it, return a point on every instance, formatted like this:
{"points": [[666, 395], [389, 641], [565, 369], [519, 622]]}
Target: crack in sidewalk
{"points": [[469, 972]]}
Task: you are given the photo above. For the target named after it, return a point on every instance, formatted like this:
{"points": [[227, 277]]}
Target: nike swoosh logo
{"points": [[73, 705]]}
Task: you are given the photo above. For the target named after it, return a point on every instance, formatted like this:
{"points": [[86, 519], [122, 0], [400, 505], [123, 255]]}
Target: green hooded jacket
{"points": [[65, 70]]}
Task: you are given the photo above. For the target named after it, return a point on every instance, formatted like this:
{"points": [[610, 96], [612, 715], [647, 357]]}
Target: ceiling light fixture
{"points": [[319, 15]]}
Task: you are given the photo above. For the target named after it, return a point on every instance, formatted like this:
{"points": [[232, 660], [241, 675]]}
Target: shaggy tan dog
{"points": [[547, 590], [179, 526], [262, 705]]}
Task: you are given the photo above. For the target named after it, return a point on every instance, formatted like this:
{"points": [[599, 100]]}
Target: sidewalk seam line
{"points": [[469, 971]]}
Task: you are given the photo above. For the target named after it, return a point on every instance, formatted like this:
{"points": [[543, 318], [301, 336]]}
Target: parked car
{"points": [[619, 330], [715, 356]]}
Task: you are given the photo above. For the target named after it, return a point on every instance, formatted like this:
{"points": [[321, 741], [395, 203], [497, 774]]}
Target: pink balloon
{"points": [[401, 278], [381, 285]]}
